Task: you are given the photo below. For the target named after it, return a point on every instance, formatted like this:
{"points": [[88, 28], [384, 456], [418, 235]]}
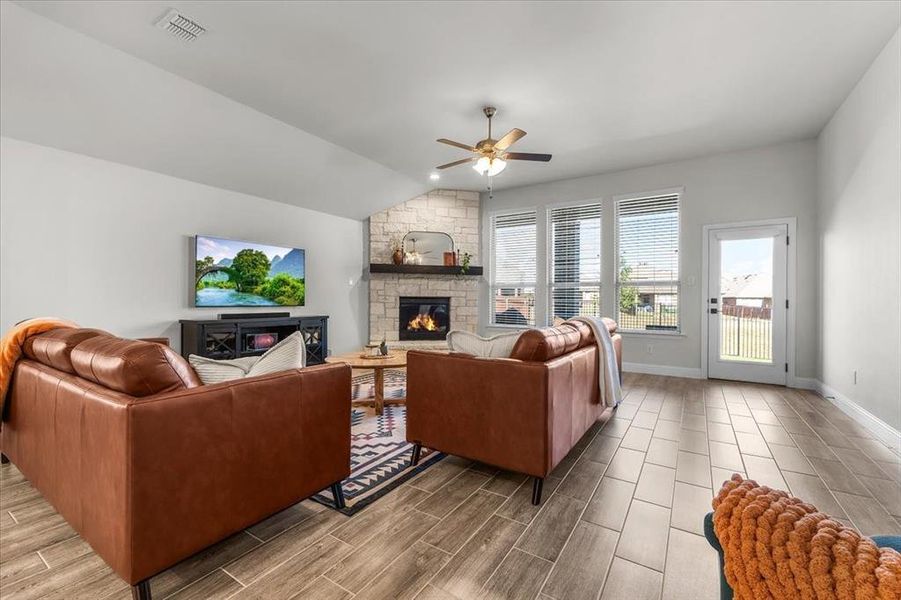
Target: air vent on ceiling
{"points": [[180, 26]]}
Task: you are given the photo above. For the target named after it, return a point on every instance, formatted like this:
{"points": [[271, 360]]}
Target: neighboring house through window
{"points": [[647, 247]]}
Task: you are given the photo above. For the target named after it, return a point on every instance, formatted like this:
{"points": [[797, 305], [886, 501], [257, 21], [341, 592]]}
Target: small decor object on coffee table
{"points": [[378, 366]]}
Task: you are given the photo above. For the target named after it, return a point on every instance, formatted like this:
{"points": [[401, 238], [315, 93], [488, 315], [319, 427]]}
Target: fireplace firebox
{"points": [[423, 318]]}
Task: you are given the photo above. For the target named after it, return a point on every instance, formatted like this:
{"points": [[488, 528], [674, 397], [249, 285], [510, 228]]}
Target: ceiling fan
{"points": [[490, 155]]}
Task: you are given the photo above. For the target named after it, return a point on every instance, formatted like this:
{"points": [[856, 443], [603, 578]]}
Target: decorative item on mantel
{"points": [[464, 267], [397, 251], [426, 253]]}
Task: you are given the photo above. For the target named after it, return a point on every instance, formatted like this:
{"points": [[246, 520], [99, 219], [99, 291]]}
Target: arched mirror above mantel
{"points": [[426, 247]]}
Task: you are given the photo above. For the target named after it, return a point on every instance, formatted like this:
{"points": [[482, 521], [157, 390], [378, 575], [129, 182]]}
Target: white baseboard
{"points": [[692, 373], [883, 431], [805, 383]]}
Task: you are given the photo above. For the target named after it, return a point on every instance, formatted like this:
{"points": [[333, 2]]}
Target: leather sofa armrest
{"points": [[208, 461], [491, 410]]}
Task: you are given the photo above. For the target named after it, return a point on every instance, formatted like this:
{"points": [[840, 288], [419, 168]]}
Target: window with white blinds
{"points": [[574, 261], [513, 273], [647, 282]]}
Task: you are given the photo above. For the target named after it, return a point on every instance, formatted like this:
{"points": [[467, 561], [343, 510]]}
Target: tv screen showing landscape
{"points": [[233, 273]]}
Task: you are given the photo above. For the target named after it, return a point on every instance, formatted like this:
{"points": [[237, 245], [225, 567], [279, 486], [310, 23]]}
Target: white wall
{"points": [[763, 183], [859, 211], [109, 246]]}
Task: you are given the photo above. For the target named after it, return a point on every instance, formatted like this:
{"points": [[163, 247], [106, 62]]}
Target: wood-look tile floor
{"points": [[621, 517]]}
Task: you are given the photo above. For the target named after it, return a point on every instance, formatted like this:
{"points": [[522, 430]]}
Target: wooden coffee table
{"points": [[395, 360]]}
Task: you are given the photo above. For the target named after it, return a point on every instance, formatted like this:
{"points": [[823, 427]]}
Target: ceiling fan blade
{"points": [[527, 156], [456, 144], [509, 139], [459, 162]]}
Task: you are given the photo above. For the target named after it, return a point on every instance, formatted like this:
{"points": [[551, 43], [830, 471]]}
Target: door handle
{"points": [[713, 311]]}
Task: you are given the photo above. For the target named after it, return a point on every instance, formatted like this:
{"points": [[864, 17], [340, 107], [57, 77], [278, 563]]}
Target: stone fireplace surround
{"points": [[454, 212]]}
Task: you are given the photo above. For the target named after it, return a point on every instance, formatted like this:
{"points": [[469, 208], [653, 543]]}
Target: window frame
{"points": [[550, 286], [679, 193], [494, 285]]}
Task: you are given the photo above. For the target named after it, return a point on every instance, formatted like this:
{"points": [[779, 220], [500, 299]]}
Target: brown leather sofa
{"points": [[149, 465], [523, 413]]}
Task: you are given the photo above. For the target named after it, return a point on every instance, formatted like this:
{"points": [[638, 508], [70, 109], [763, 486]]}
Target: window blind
{"points": [[513, 272], [647, 233], [575, 261]]}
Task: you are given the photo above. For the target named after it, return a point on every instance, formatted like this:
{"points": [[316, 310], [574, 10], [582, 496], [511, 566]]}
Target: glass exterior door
{"points": [[746, 304]]}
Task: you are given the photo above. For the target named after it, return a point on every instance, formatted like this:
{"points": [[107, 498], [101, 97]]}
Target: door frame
{"points": [[790, 290]]}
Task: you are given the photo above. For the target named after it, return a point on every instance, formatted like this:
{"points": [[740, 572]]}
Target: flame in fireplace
{"points": [[422, 323]]}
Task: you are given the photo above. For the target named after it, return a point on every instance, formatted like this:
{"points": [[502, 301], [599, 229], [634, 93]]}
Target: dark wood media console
{"points": [[236, 338]]}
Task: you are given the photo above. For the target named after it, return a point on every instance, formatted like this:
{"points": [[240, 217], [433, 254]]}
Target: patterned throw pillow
{"points": [[496, 346], [290, 353]]}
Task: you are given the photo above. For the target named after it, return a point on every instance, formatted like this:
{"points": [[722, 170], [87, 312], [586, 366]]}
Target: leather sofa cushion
{"points": [[132, 367], [547, 343], [542, 345], [586, 335], [54, 348], [612, 327]]}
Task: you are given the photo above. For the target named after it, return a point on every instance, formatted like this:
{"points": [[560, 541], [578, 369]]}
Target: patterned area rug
{"points": [[379, 452]]}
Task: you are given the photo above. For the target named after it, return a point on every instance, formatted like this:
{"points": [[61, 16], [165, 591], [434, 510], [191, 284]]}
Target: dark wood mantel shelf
{"points": [[423, 269]]}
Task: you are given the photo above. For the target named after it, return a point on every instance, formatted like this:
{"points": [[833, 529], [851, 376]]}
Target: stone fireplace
{"points": [[423, 318], [450, 211]]}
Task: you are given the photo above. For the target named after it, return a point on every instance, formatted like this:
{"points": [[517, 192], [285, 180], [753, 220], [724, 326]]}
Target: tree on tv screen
{"points": [[249, 269], [284, 289]]}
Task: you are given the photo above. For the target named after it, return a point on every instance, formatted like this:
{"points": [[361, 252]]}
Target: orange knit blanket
{"points": [[11, 346], [776, 546]]}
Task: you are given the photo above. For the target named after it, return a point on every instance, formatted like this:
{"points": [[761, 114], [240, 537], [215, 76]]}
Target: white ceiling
{"points": [[66, 90], [601, 86]]}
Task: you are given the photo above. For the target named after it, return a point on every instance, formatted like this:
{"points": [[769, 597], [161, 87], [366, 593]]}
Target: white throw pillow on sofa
{"points": [[496, 346], [210, 370], [290, 353]]}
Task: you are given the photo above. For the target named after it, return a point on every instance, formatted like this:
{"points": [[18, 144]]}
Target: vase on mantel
{"points": [[397, 257]]}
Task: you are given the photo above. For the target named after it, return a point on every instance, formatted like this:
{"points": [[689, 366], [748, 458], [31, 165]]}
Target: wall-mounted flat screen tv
{"points": [[233, 273]]}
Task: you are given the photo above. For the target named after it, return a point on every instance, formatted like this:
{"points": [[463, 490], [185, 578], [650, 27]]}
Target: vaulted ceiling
{"points": [[337, 105]]}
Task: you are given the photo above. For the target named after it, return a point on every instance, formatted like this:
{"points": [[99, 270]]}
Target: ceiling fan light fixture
{"points": [[489, 166], [490, 155]]}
